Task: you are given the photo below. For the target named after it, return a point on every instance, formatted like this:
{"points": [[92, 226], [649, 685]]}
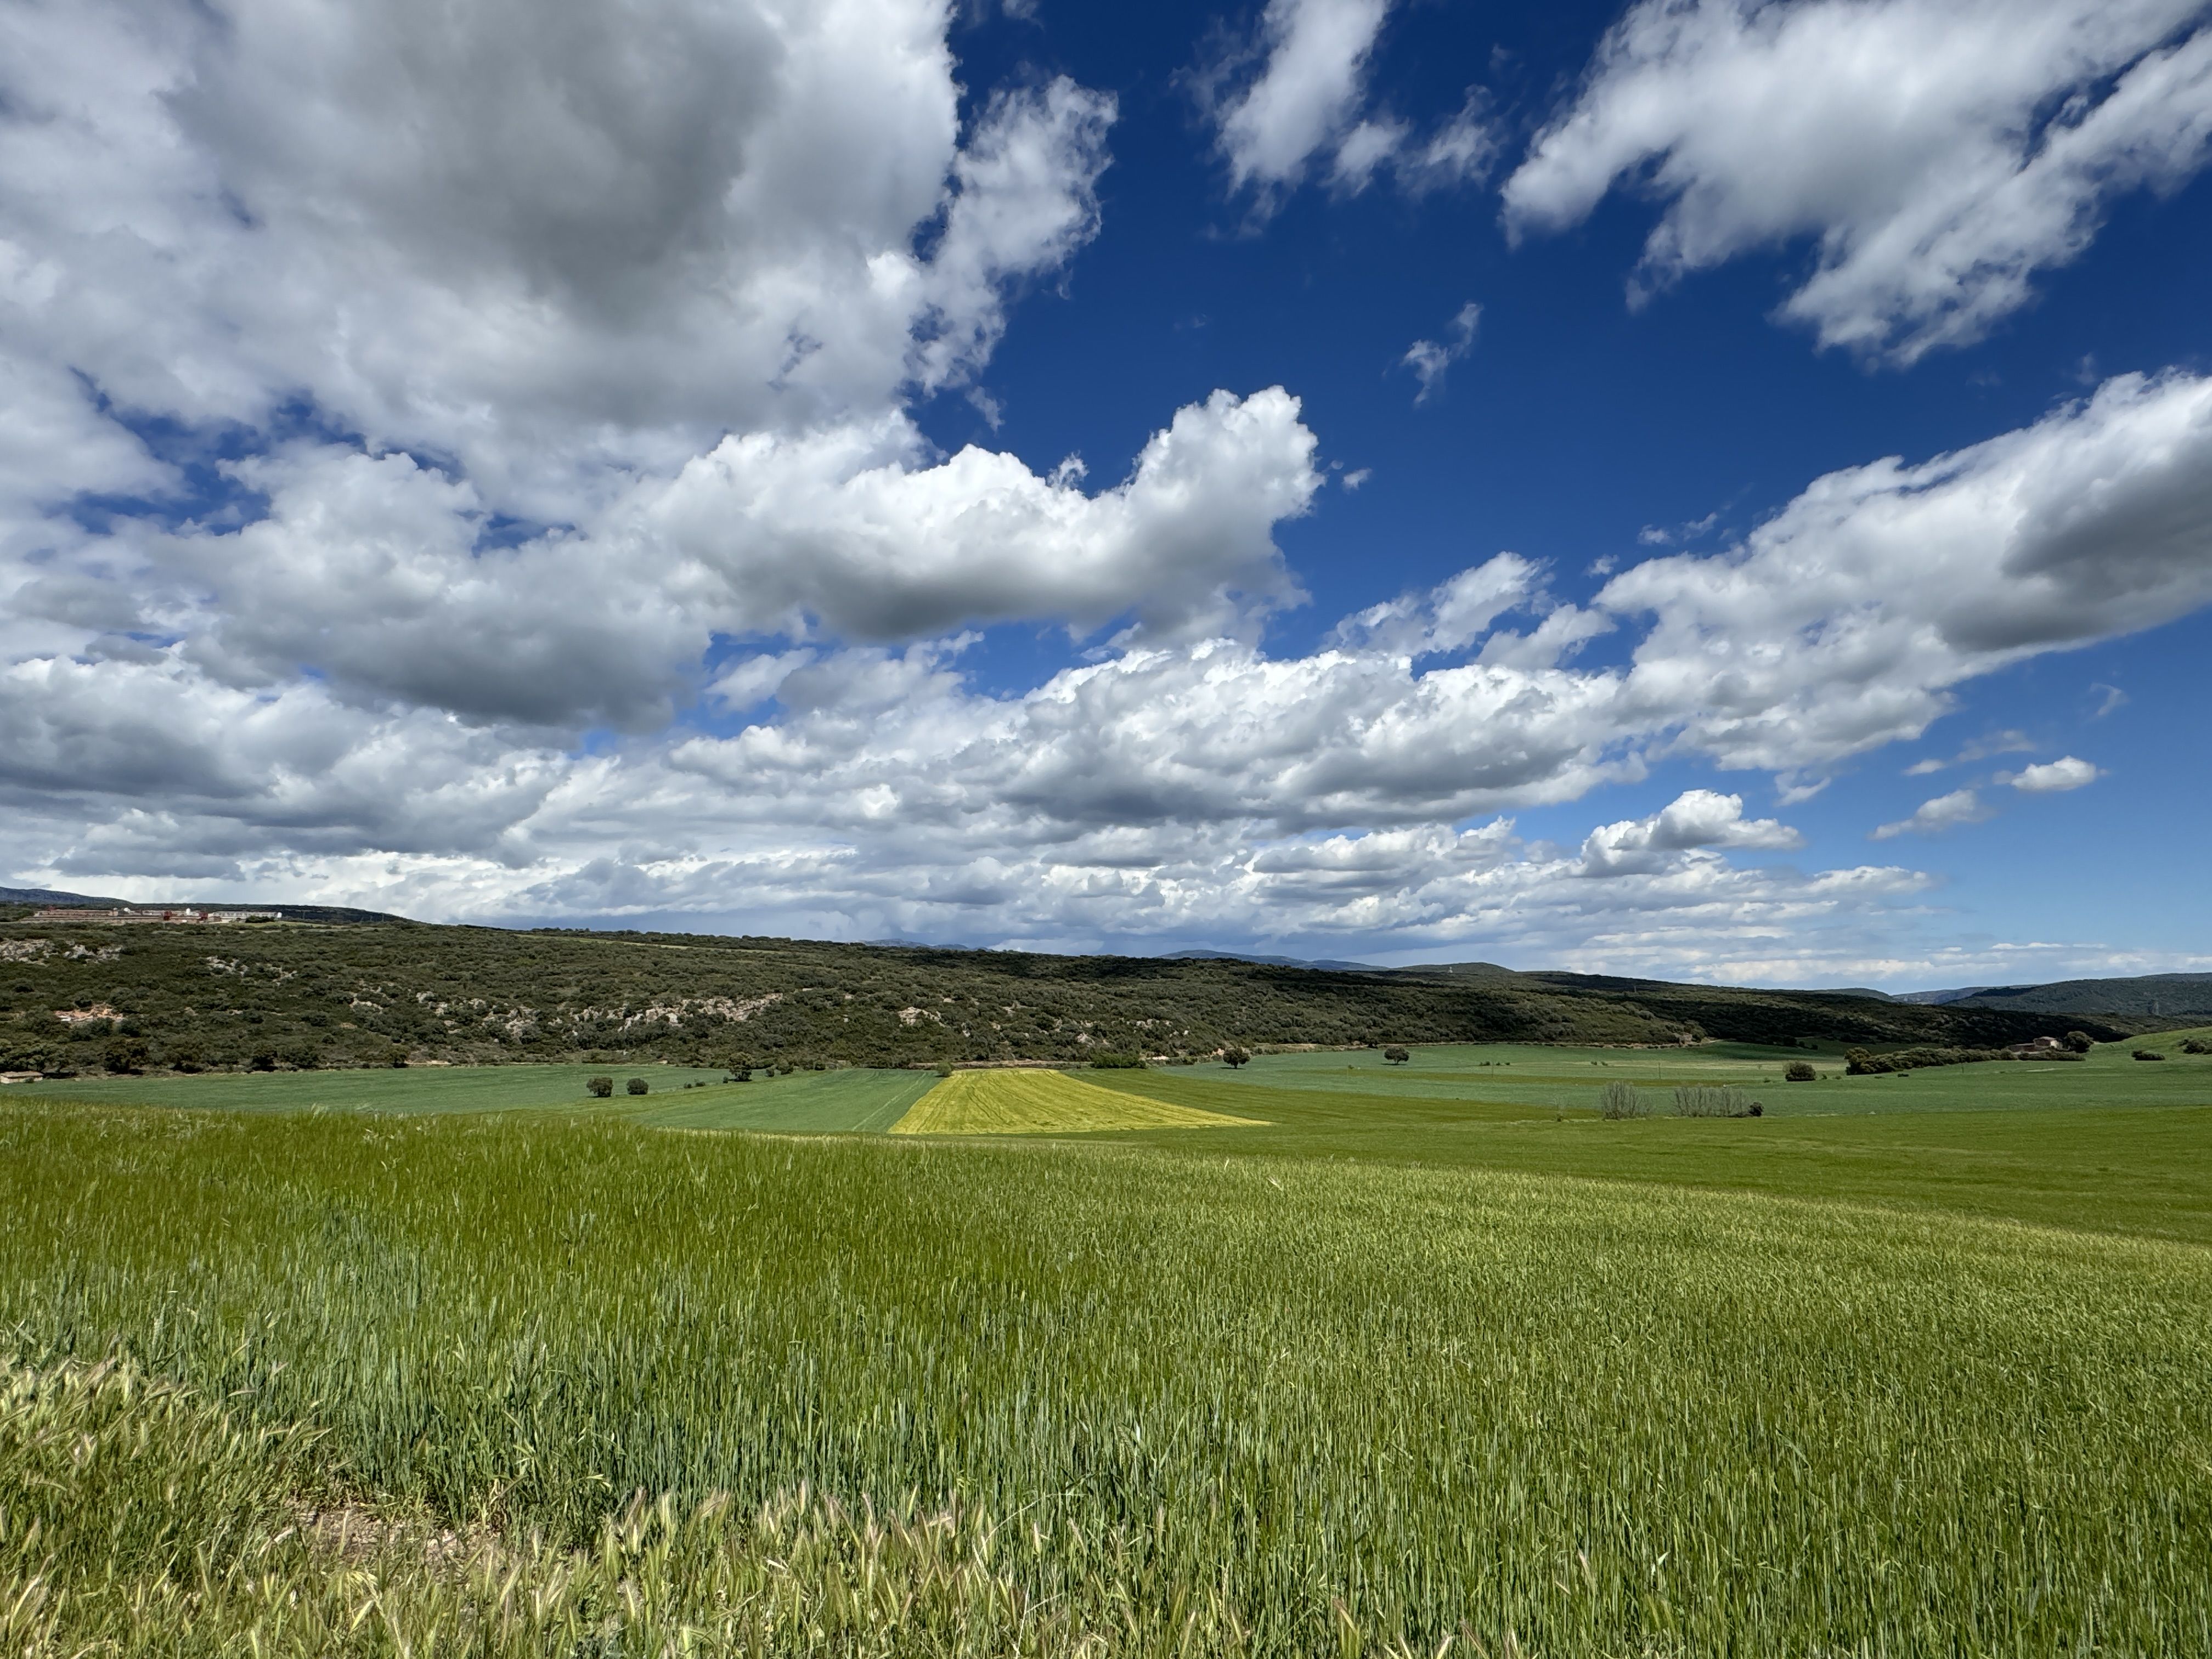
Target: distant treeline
{"points": [[87, 998]]}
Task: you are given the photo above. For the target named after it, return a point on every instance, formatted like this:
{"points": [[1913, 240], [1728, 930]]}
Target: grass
{"points": [[405, 1091], [1433, 1352], [1548, 1079], [1028, 1102], [1185, 1395], [847, 1100]]}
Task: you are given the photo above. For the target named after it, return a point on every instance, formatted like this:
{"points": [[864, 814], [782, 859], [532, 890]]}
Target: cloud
{"points": [[1841, 622], [1428, 359], [512, 502], [2000, 743], [1304, 98], [557, 246], [2051, 777], [1308, 104], [1937, 153], [851, 533], [1694, 821], [1944, 812]]}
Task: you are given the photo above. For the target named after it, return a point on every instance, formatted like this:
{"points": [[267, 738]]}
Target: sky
{"points": [[1706, 489]]}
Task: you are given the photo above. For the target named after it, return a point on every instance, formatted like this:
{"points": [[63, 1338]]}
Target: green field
{"points": [[1915, 1365], [848, 1100]]}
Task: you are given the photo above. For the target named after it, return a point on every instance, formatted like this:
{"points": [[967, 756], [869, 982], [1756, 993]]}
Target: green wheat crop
{"points": [[1101, 1399]]}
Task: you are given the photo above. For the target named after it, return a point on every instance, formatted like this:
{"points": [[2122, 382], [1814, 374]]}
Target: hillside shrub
{"points": [[1858, 1062], [636, 1085], [1396, 1055], [1799, 1070], [600, 1086], [472, 996], [1117, 1062], [2149, 1054], [2197, 1046], [1233, 1057], [2080, 1042], [1620, 1100], [124, 1056]]}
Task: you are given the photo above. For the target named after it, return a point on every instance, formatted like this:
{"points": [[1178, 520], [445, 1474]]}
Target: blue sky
{"points": [[638, 494]]}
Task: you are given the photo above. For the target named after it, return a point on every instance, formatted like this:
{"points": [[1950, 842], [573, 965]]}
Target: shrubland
{"points": [[84, 998]]}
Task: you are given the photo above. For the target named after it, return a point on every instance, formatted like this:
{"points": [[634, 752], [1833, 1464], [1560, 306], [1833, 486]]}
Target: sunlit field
{"points": [[1009, 1102], [1433, 1352]]}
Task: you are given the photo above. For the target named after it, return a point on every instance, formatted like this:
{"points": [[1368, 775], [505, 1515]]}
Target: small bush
{"points": [[1800, 1071], [2080, 1042], [1620, 1100], [2197, 1046], [1117, 1062], [739, 1074], [2149, 1054], [1396, 1055], [1712, 1100], [600, 1086], [636, 1085], [264, 1060]]}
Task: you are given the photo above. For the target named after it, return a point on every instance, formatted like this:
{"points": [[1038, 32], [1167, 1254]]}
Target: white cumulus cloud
{"points": [[2052, 777], [1937, 153], [1308, 106], [1944, 812]]}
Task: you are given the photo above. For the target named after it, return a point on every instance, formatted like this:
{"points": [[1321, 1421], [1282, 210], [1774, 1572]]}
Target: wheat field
{"points": [[1011, 1100]]}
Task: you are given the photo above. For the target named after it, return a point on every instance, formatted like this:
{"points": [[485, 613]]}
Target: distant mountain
{"points": [[321, 913], [1460, 970], [1325, 965], [2163, 996], [1938, 998]]}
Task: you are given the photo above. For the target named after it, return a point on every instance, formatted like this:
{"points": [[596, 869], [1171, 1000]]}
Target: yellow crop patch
{"points": [[1028, 1103]]}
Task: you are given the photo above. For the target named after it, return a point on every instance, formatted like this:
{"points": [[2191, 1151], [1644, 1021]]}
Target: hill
{"points": [[288, 996], [2162, 996], [18, 902]]}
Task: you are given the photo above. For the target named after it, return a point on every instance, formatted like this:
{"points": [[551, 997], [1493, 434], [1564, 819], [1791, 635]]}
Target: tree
{"points": [[125, 1056], [1233, 1057], [637, 1085], [600, 1086], [1396, 1055], [1799, 1070], [2080, 1042], [1619, 1100]]}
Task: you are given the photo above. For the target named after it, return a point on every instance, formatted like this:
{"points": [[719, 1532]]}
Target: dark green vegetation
{"points": [[282, 998], [2168, 997], [1859, 1062]]}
